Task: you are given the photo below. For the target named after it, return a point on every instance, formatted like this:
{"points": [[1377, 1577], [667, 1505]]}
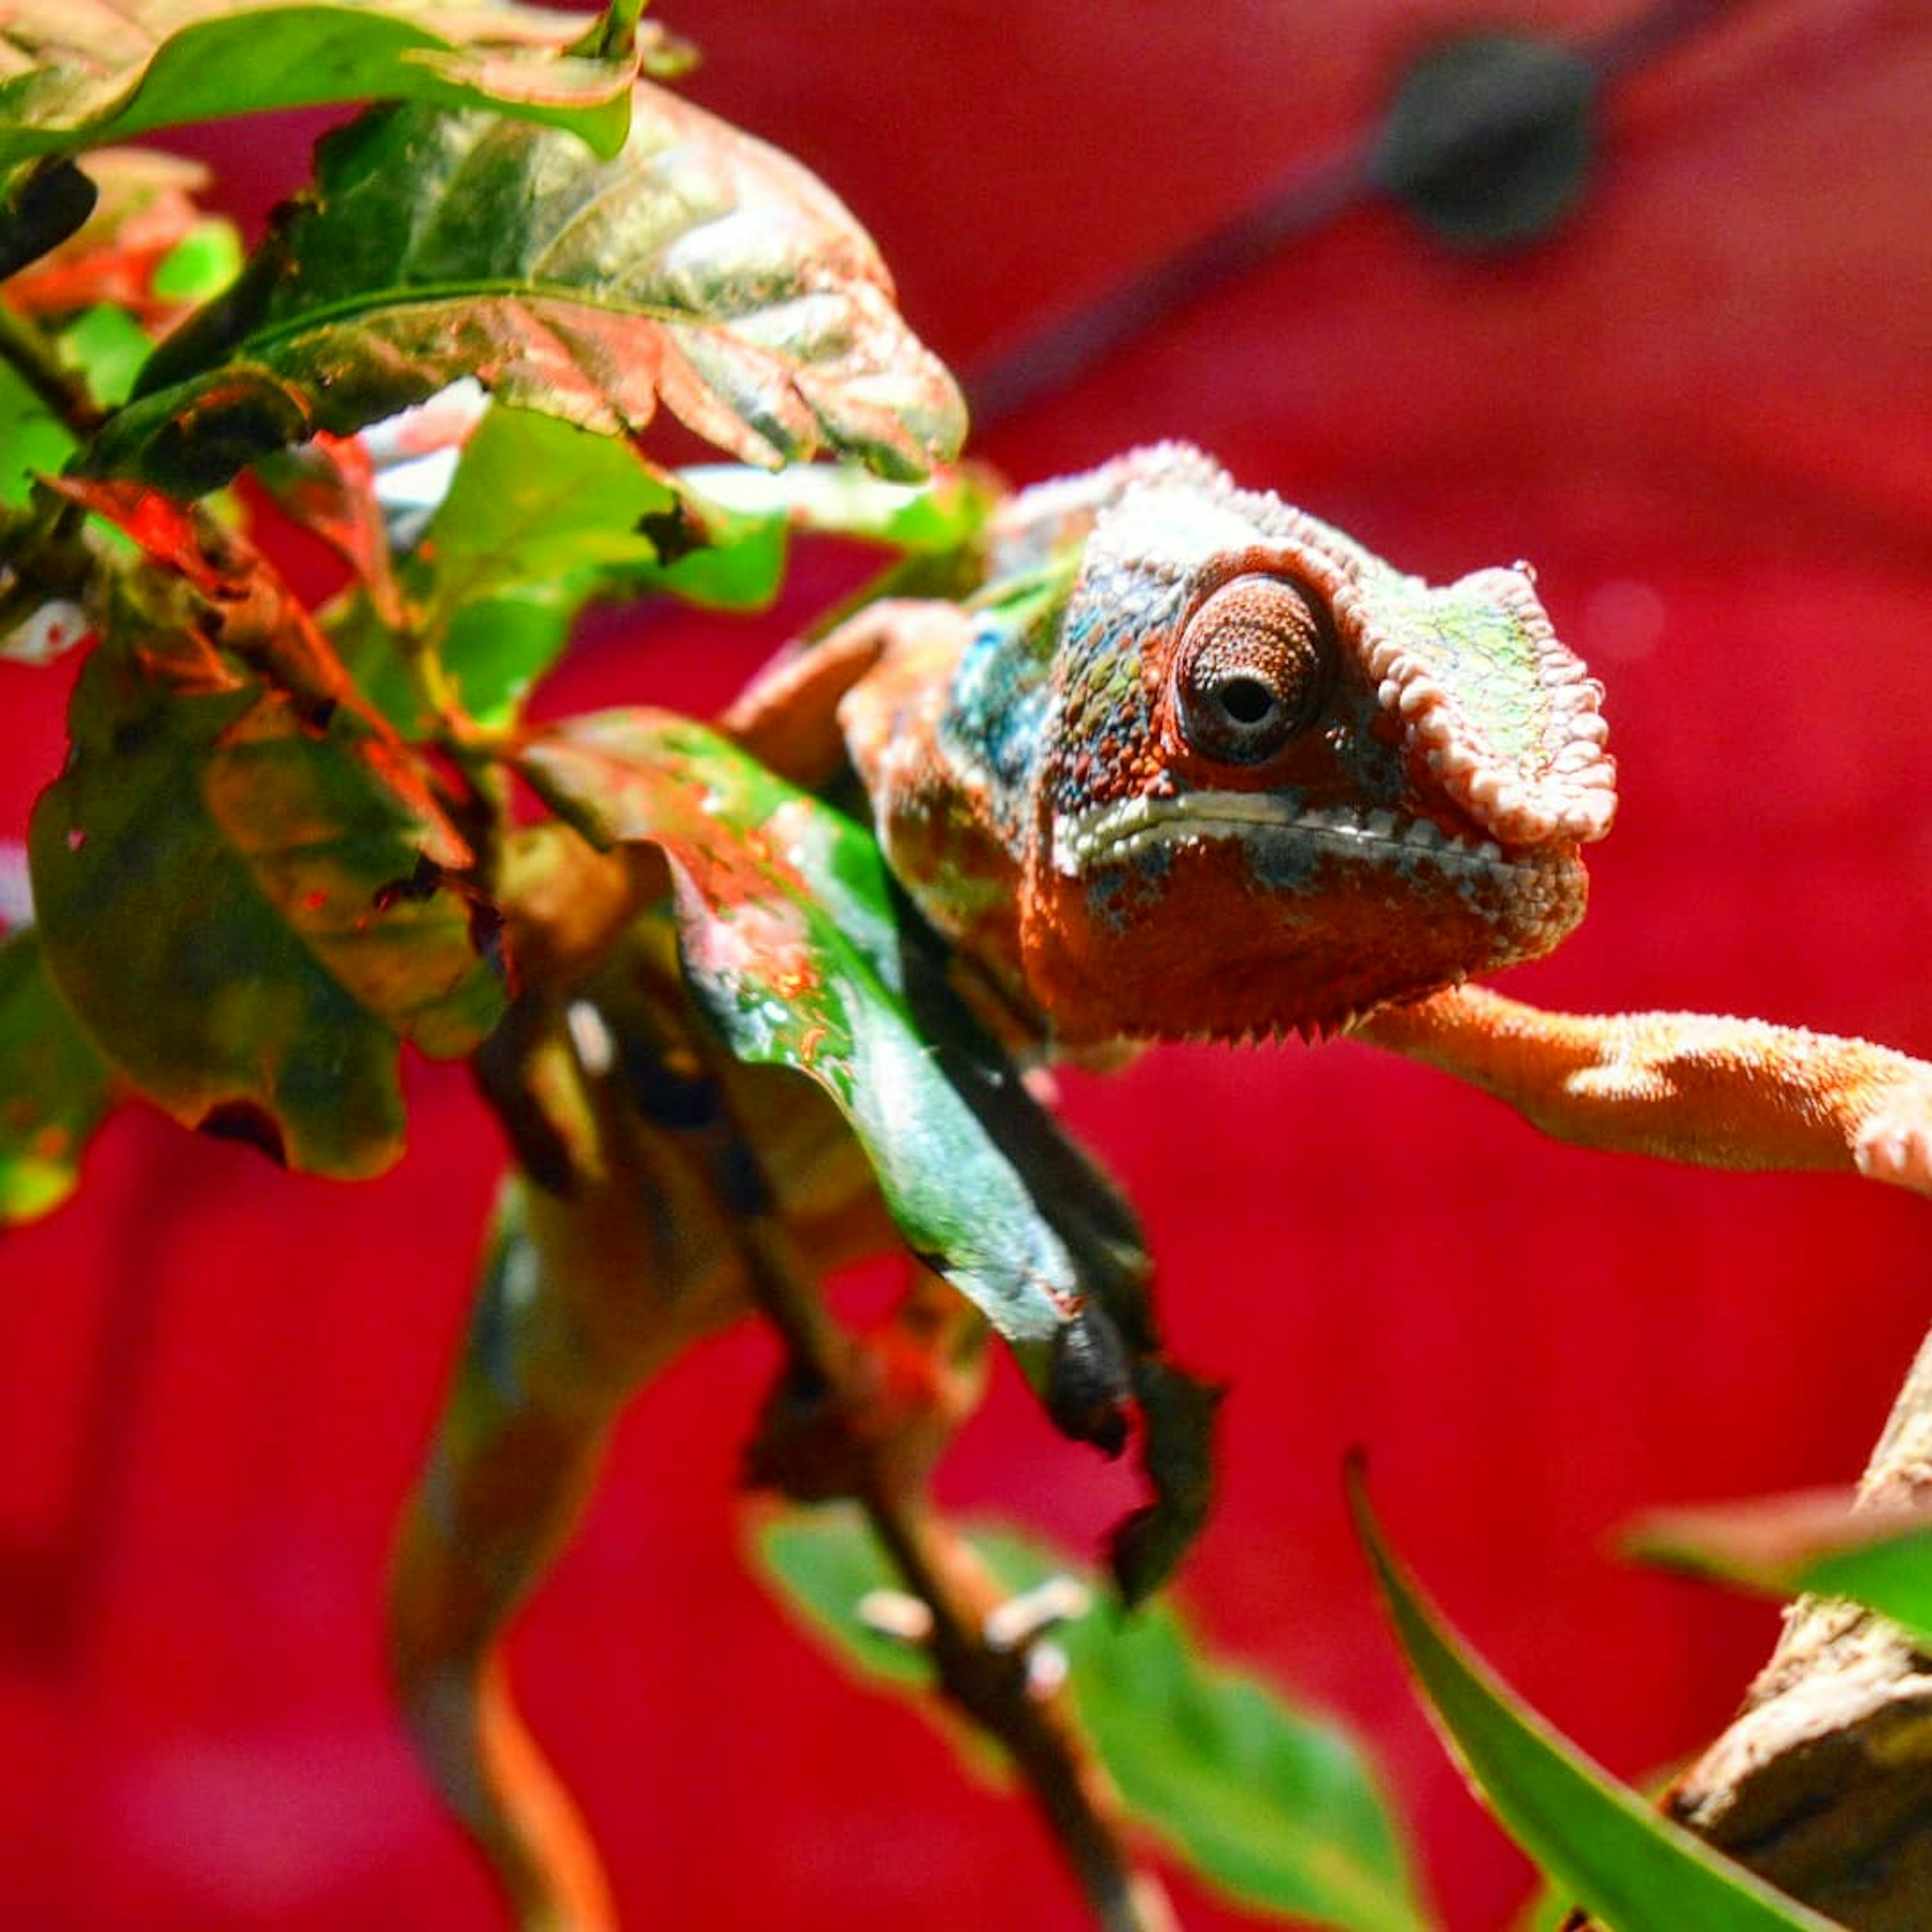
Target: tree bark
{"points": [[1823, 1782]]}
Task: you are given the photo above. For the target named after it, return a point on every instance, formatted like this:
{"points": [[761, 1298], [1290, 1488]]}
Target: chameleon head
{"points": [[1279, 784]]}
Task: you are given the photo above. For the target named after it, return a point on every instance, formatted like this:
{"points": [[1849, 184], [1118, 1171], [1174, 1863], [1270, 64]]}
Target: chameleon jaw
{"points": [[1137, 828], [1231, 915]]}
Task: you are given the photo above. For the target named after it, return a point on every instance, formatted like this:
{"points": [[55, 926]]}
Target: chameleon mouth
{"points": [[1138, 828]]}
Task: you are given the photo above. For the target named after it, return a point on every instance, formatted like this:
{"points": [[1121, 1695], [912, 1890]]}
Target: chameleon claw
{"points": [[1046, 1670], [1020, 1619], [897, 1614], [590, 1034], [1019, 1624], [1896, 1147]]}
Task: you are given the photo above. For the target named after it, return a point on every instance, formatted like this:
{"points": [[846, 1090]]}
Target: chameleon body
{"points": [[1190, 763]]}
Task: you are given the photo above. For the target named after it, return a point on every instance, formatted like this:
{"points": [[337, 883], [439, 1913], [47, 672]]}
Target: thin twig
{"points": [[1066, 1782], [27, 350]]}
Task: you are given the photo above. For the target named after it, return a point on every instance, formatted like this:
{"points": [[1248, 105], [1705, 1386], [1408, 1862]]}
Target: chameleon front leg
{"points": [[1690, 1086]]}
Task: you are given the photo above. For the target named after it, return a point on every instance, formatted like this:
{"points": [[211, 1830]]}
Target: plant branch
{"points": [[27, 350], [1823, 1783], [990, 1686]]}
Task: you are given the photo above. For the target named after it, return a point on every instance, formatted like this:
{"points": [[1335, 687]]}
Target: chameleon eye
{"points": [[1253, 670]]}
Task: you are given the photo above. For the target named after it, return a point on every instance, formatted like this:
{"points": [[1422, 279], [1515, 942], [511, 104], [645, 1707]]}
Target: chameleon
{"points": [[1187, 763]]}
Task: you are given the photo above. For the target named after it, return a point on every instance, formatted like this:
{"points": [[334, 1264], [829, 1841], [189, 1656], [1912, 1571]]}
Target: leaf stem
{"points": [[1065, 1781], [27, 349]]}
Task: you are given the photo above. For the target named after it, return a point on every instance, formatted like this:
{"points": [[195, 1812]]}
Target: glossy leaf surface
{"points": [[746, 516], [1275, 1807], [698, 269], [79, 74], [791, 942], [1599, 1840], [54, 1085], [795, 946]]}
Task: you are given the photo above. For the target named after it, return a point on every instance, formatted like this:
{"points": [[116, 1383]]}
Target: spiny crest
{"points": [[1488, 700]]}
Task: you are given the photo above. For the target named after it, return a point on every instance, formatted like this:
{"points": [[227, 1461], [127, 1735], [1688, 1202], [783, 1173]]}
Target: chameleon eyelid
{"points": [[1254, 661]]}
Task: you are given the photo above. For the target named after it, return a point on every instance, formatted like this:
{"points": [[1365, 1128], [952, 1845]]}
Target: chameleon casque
{"points": [[1190, 763]]}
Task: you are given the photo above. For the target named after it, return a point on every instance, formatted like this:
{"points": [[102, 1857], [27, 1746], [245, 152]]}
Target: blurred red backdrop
{"points": [[1702, 410]]}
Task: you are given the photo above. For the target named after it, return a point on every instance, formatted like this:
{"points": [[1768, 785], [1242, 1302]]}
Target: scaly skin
{"points": [[1194, 763], [1191, 764]]}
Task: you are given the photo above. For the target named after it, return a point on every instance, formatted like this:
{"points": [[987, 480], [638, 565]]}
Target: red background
{"points": [[1702, 411]]}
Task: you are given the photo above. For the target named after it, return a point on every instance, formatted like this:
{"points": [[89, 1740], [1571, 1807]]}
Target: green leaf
{"points": [[54, 1086], [1276, 1808], [108, 345], [698, 269], [789, 937], [534, 502], [32, 440], [1630, 1867], [824, 1563], [742, 520], [1814, 1543], [541, 518], [498, 648], [79, 73], [943, 515], [238, 883], [201, 264]]}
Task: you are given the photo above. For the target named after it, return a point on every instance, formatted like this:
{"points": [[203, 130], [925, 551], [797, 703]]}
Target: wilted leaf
{"points": [[1274, 1806], [1815, 1543], [327, 485], [54, 1085], [193, 983], [40, 207], [239, 875], [699, 268], [79, 73], [1630, 1867], [1177, 1412]]}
